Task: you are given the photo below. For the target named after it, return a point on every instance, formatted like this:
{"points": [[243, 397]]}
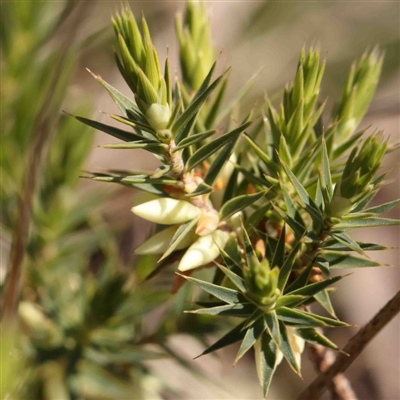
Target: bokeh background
{"points": [[248, 35]]}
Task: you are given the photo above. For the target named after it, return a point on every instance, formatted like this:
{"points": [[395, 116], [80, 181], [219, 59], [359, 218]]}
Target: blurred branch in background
{"points": [[79, 317], [58, 71]]}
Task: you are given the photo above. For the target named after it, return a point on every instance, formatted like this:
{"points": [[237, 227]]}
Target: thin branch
{"points": [[323, 358], [354, 348]]}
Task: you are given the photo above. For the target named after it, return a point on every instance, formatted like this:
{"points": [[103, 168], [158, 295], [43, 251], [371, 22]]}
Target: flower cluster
{"points": [[192, 227]]}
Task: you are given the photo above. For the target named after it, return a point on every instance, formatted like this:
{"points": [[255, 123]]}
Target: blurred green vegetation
{"points": [[79, 320]]}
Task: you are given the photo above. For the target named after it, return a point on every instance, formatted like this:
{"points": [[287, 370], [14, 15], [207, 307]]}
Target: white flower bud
{"points": [[207, 223], [340, 206], [159, 243], [235, 222], [158, 116], [297, 344], [203, 250], [167, 211]]}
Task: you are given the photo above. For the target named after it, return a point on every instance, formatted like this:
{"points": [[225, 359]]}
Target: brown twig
{"points": [[322, 359], [353, 348]]}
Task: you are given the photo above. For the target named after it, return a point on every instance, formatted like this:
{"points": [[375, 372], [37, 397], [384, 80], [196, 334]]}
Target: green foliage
{"points": [[357, 93], [79, 325], [266, 202], [196, 49], [302, 191]]}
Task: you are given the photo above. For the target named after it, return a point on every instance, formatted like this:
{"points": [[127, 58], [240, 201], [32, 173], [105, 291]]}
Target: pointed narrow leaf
{"points": [[194, 106], [342, 260], [257, 216], [231, 337], [210, 148], [235, 279], [298, 229], [305, 319], [290, 300], [323, 265], [366, 223], [124, 103], [301, 280], [167, 78], [201, 189], [153, 147], [230, 296], [272, 323], [252, 318], [231, 256], [286, 348], [251, 178], [248, 247], [239, 203], [149, 131], [265, 355], [323, 298], [214, 106], [252, 334], [286, 269], [279, 254], [319, 198], [219, 162], [346, 240], [313, 336], [292, 211], [118, 133], [383, 208], [335, 246], [271, 165], [325, 176], [230, 189], [314, 288], [236, 99], [311, 207], [136, 180], [193, 139], [284, 151], [183, 231], [241, 310], [207, 80], [185, 131]]}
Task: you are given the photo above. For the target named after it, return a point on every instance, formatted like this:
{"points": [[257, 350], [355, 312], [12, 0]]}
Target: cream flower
{"points": [[167, 211], [158, 116], [297, 344], [203, 250], [207, 223]]}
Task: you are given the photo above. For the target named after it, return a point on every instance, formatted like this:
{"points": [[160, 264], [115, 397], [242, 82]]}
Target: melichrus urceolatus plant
{"points": [[253, 212]]}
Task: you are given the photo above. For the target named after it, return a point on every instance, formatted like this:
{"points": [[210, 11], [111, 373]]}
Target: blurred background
{"points": [[81, 238]]}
